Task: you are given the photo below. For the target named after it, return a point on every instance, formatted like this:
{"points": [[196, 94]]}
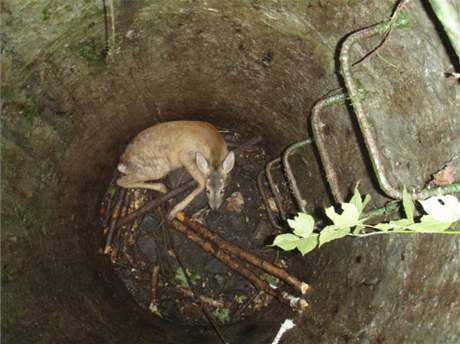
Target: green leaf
{"points": [[397, 224], [331, 213], [180, 277], [333, 232], [402, 223], [357, 200], [112, 190], [367, 199], [408, 205], [270, 279], [402, 21], [240, 298], [305, 245], [222, 314], [286, 241], [429, 225], [302, 224], [348, 218], [359, 229]]}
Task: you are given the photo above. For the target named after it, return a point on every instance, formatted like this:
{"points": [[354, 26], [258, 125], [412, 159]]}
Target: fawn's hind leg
{"points": [[137, 181]]}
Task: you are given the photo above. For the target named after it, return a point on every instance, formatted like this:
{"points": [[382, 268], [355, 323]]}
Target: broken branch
{"points": [[113, 225], [293, 302], [204, 299], [249, 257], [155, 279], [149, 206]]}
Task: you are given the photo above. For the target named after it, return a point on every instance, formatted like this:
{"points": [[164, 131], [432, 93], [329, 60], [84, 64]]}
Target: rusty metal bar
{"points": [[318, 134], [274, 187], [271, 216], [301, 202], [364, 125], [355, 95]]}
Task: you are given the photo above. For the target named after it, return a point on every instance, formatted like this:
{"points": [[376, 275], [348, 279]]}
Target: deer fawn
{"points": [[194, 145]]}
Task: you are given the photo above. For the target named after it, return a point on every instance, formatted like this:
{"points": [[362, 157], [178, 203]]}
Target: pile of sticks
{"points": [[226, 252]]}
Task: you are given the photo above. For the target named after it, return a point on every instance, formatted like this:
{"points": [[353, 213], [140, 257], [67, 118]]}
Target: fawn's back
{"points": [[170, 145]]}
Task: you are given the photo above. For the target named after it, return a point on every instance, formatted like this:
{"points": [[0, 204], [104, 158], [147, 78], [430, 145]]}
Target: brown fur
{"points": [[164, 147]]}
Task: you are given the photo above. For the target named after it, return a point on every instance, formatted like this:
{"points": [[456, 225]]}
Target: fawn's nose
{"points": [[214, 202]]}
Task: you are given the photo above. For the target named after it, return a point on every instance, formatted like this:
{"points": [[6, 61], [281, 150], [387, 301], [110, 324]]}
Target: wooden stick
{"points": [[115, 247], [109, 198], [204, 299], [155, 279], [113, 225], [149, 206], [286, 298], [247, 256]]}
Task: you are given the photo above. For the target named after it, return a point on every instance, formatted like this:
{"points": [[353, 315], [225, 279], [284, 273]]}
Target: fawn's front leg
{"points": [[200, 179]]}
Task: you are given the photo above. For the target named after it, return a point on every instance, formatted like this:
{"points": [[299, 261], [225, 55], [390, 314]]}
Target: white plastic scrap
{"points": [[285, 326], [293, 301], [442, 208]]}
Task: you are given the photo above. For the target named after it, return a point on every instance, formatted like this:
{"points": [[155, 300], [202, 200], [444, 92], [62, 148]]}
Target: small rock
{"points": [[262, 232], [219, 278], [213, 266], [148, 247], [149, 223], [237, 222]]}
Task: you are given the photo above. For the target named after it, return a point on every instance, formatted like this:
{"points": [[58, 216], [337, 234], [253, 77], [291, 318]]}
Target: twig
{"points": [[249, 257], [149, 206], [241, 309], [286, 298], [113, 224], [109, 41], [393, 18], [153, 295], [106, 210], [115, 248], [204, 299]]}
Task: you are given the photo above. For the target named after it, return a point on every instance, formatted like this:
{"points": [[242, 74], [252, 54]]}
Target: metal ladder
{"points": [[354, 95]]}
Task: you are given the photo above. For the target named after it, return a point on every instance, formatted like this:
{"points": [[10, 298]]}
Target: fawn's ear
{"points": [[202, 163], [228, 163]]}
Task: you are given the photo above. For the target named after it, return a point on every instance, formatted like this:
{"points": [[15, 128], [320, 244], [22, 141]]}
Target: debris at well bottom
{"points": [[147, 251]]}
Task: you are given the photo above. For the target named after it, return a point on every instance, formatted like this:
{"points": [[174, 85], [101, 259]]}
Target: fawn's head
{"points": [[216, 178]]}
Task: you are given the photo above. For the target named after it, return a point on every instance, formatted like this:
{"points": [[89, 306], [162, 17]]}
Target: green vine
{"points": [[442, 212]]}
